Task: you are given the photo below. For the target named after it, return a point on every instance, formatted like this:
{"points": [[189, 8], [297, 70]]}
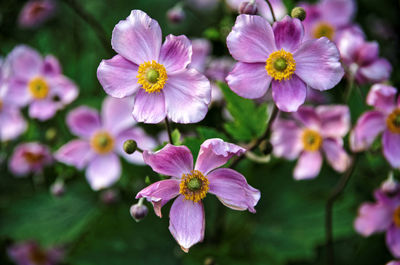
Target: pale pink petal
{"points": [[76, 153], [308, 117], [290, 94], [289, 33], [308, 165], [116, 114], [335, 120], [25, 62], [103, 171], [43, 109], [286, 139], [391, 148], [83, 121], [373, 218], [378, 71], [51, 66], [382, 97], [393, 240], [176, 53], [336, 155], [149, 107], [12, 123]]}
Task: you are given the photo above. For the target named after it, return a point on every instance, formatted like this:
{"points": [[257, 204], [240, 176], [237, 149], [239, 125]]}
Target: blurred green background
{"points": [[288, 227]]}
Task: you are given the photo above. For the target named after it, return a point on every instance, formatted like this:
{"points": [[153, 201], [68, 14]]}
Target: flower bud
{"points": [[130, 146], [138, 211], [176, 14], [248, 7], [298, 12], [390, 185], [51, 134], [57, 188]]}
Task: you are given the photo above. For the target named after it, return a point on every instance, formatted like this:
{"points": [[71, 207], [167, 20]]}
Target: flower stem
{"points": [[266, 134], [272, 10], [335, 194], [349, 90], [168, 130]]}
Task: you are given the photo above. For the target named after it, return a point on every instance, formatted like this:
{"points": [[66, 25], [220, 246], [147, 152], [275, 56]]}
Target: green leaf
{"points": [[249, 120]]}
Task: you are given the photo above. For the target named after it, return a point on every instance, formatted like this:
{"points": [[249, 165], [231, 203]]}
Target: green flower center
{"points": [[280, 64], [152, 76], [194, 184]]}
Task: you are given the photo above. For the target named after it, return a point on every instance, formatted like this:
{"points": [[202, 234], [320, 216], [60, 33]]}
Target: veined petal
{"points": [[290, 94], [76, 153], [103, 171], [149, 107], [83, 121], [176, 53], [367, 128], [391, 148], [289, 33], [308, 165]]}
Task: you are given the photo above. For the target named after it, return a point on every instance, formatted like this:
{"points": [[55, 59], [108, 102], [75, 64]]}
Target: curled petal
{"points": [[375, 72], [232, 189], [336, 155], [382, 97], [176, 53], [308, 165], [368, 127], [83, 121], [289, 33], [51, 66]]}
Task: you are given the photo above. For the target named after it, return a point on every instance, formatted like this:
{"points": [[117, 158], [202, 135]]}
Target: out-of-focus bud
{"points": [[266, 147], [109, 196], [298, 12], [209, 261], [176, 14], [130, 146], [51, 134], [139, 211], [248, 7], [390, 185], [57, 188]]}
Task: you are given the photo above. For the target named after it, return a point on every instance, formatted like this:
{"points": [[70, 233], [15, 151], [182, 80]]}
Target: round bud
{"points": [[298, 12], [51, 134], [57, 188], [109, 196], [130, 146], [248, 7], [176, 14], [138, 211], [390, 185]]}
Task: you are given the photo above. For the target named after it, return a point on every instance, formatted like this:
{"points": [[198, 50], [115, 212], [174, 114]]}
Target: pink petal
{"points": [[393, 240], [42, 109], [373, 218], [18, 92], [335, 120], [76, 153], [201, 50], [251, 39], [317, 64], [367, 128], [338, 12], [64, 89], [187, 95], [249, 80], [232, 189], [349, 45], [382, 97], [176, 53], [286, 139], [368, 53], [51, 66], [215, 153], [149, 107], [83, 121], [160, 193], [25, 62], [116, 114], [290, 94], [377, 71], [308, 117], [103, 171], [289, 33], [186, 222], [170, 161], [138, 38], [308, 165], [117, 76], [336, 155], [391, 148], [12, 123]]}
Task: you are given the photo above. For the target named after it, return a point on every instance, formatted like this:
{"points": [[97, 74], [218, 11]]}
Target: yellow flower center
{"points": [[194, 186], [152, 76], [323, 29], [280, 65], [102, 142], [393, 121], [38, 87], [33, 158], [396, 216], [311, 139]]}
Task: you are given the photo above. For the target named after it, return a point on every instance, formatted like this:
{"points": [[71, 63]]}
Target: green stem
{"points": [[349, 89], [168, 130], [272, 10]]}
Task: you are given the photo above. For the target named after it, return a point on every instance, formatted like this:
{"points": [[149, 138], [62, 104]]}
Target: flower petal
{"points": [[393, 240], [24, 62], [251, 39], [232, 189], [42, 109], [12, 124], [335, 120], [308, 165], [137, 38], [18, 92], [308, 116], [170, 161], [286, 139], [187, 222], [201, 50], [160, 193], [290, 94], [367, 128], [176, 53], [83, 121], [378, 71], [76, 153], [338, 12], [336, 155], [103, 171], [215, 153], [391, 148], [317, 64], [382, 97], [51, 66], [149, 107], [116, 114], [117, 76], [249, 80], [63, 90], [289, 33], [187, 95], [373, 218]]}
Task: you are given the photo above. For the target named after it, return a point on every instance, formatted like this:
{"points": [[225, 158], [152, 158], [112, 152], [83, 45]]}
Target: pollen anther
{"points": [[194, 186], [311, 139], [102, 142], [280, 65], [38, 88], [393, 121], [152, 76]]}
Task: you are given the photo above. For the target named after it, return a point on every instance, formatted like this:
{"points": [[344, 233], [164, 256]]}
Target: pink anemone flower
{"points": [[384, 118], [157, 75], [30, 253], [36, 12], [279, 57], [39, 83], [101, 141], [310, 135], [191, 184]]}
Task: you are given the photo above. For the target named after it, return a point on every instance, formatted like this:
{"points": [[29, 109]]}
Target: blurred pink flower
{"points": [[263, 8], [191, 184], [156, 74], [36, 12], [311, 134], [30, 253], [101, 141], [39, 83]]}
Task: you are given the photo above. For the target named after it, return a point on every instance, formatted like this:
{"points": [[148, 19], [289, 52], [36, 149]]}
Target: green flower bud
{"points": [[298, 12], [130, 146]]}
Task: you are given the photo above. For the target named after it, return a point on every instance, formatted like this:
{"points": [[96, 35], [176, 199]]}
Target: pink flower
{"points": [[263, 8], [327, 18], [12, 123], [279, 57], [101, 141], [156, 74], [201, 51], [381, 216], [394, 262], [39, 83], [36, 12], [30, 253], [362, 58], [30, 158], [385, 118], [191, 184], [311, 134]]}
